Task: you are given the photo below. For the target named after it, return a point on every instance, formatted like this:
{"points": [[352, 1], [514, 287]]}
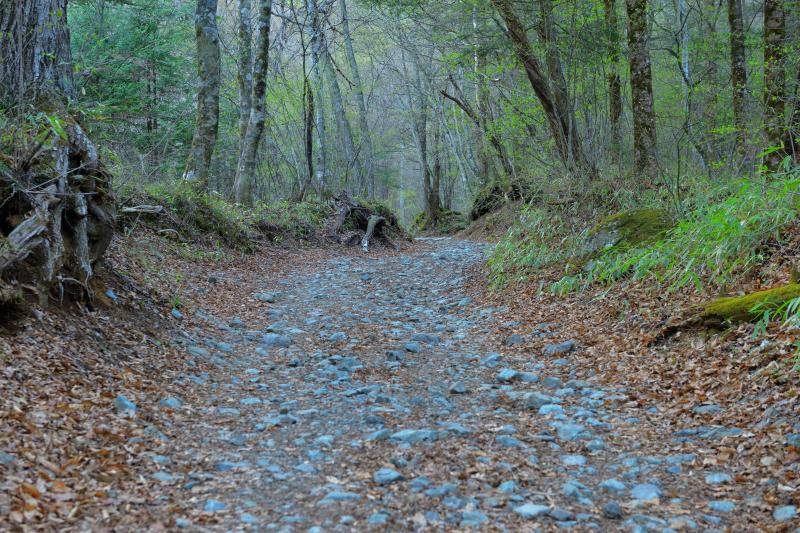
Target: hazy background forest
{"points": [[381, 79]]}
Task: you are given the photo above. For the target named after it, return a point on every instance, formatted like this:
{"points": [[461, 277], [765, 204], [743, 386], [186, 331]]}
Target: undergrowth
{"points": [[711, 245], [200, 215]]}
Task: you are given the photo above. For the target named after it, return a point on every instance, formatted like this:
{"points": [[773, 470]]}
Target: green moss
{"points": [[628, 229], [749, 307], [448, 222]]}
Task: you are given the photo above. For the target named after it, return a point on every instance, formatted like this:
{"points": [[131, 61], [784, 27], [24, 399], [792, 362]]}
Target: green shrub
{"points": [[710, 246]]}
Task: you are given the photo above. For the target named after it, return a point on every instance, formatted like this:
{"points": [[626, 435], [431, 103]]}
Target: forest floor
{"points": [[311, 390]]}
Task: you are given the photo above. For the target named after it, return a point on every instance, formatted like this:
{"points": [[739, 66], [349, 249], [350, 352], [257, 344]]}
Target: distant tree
{"points": [[208, 79], [774, 81], [246, 168], [644, 118]]}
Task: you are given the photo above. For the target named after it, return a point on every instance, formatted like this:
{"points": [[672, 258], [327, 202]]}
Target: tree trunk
{"points": [[568, 147], [644, 119], [57, 215], [208, 73], [321, 164], [367, 148], [774, 81], [245, 73], [246, 169], [343, 129], [555, 71], [420, 117], [614, 83], [738, 72]]}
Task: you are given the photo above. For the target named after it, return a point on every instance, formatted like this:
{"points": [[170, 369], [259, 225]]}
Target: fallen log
{"points": [[374, 222]]}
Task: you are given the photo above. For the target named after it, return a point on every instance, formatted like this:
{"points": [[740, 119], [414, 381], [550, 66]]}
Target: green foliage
{"points": [[710, 246], [201, 214], [447, 223]]}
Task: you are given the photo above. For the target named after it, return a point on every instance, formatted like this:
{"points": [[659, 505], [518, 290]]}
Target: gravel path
{"points": [[374, 397]]}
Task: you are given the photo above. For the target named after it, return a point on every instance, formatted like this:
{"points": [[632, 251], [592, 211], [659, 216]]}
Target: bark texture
{"points": [[58, 213], [613, 79], [738, 71], [208, 74], [343, 129], [644, 118], [366, 148], [245, 73], [246, 169], [774, 80]]}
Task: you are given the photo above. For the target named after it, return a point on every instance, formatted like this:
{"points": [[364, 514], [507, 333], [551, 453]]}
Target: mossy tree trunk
{"points": [[57, 214], [644, 118], [208, 74], [246, 169], [774, 80], [738, 71]]}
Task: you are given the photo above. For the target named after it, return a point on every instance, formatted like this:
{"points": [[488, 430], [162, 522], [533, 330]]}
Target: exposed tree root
{"points": [[57, 215]]}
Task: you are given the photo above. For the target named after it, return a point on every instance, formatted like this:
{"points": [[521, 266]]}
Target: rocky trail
{"points": [[325, 392], [372, 396]]}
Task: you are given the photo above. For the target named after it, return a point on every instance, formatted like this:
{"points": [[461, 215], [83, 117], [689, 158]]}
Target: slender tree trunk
{"points": [[246, 169], [558, 82], [343, 128], [315, 44], [644, 118], [738, 72], [774, 80], [245, 74], [436, 178], [568, 147], [793, 133], [208, 73], [614, 83], [367, 148]]}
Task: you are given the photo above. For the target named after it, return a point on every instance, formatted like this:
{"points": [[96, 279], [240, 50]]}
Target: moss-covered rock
{"points": [[448, 222], [627, 229], [749, 307]]}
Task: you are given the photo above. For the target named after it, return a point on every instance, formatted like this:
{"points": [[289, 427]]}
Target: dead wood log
{"points": [[374, 222]]}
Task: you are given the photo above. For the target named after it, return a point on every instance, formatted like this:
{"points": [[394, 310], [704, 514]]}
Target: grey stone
{"points": [[532, 510], [213, 506], [506, 375], [458, 388], [707, 409], [339, 336], [715, 478], [721, 506], [276, 340], [784, 513], [413, 347], [560, 348], [612, 485], [339, 496], [124, 405], [646, 491], [612, 510], [386, 476], [171, 403], [426, 338], [470, 519], [413, 436]]}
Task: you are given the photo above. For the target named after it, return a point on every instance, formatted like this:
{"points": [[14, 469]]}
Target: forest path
{"points": [[373, 396]]}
